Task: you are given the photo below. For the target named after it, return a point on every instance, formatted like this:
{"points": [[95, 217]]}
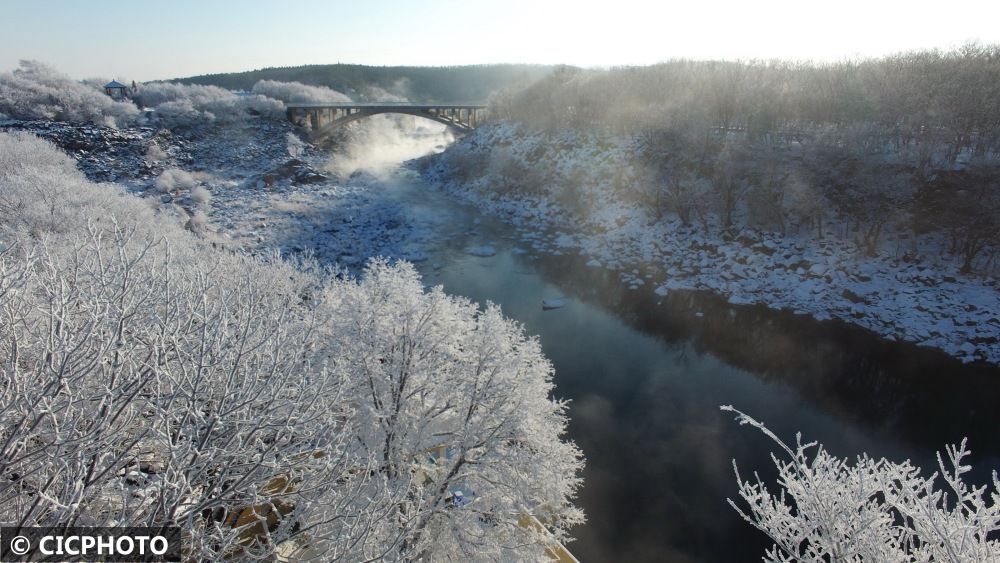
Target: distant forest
{"points": [[444, 84], [908, 143], [946, 98]]}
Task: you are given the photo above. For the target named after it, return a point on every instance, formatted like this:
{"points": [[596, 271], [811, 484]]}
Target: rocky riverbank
{"points": [[899, 295]]}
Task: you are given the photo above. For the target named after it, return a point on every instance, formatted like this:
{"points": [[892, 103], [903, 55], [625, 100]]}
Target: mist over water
{"points": [[379, 144]]}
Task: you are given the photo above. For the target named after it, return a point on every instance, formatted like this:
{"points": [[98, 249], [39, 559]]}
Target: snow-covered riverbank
{"points": [[263, 200], [248, 194], [255, 197], [923, 300]]}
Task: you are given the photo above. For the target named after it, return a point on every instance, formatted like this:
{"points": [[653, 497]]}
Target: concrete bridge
{"points": [[323, 119]]}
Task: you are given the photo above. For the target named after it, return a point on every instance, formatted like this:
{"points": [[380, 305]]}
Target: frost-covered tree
{"points": [[37, 91], [42, 192], [149, 379], [829, 509], [459, 419], [296, 92], [191, 105]]}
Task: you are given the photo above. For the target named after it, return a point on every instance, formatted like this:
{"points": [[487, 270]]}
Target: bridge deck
{"points": [[379, 105]]}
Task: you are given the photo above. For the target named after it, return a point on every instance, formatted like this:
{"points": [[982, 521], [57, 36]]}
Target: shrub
{"points": [[201, 195], [175, 179], [42, 191], [197, 223]]}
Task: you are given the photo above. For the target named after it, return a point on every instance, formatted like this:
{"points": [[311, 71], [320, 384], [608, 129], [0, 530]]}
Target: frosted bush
{"points": [[21, 152], [828, 509], [37, 91], [42, 191], [154, 153], [181, 113], [296, 92], [239, 108], [153, 94], [174, 179], [201, 195], [197, 223], [151, 380]]}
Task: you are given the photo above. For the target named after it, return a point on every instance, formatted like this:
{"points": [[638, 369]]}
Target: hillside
{"points": [[446, 84]]}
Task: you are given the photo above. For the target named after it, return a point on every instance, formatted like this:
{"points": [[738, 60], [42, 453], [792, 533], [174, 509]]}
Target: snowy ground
{"points": [[929, 303], [337, 223], [261, 199]]}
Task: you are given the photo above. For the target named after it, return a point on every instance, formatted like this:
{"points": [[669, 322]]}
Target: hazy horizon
{"points": [[190, 38]]}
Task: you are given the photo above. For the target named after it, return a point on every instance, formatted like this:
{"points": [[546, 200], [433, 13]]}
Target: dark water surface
{"points": [[646, 376]]}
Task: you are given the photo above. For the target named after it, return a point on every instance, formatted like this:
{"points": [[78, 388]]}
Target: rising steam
{"points": [[380, 143]]}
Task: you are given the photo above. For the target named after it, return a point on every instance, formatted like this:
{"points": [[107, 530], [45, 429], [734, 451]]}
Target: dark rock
{"points": [[853, 297]]}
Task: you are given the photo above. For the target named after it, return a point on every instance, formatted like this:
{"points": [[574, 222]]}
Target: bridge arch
{"points": [[324, 119]]}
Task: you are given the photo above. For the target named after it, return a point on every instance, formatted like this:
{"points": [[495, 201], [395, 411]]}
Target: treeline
{"points": [[37, 91], [929, 96], [443, 84], [908, 142]]}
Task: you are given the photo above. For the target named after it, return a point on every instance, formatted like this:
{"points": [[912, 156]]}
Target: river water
{"points": [[646, 376]]}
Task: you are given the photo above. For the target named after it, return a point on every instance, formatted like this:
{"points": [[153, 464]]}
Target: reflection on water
{"points": [[917, 395], [646, 376]]}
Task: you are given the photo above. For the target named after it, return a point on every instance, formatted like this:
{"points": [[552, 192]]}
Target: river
{"points": [[646, 376]]}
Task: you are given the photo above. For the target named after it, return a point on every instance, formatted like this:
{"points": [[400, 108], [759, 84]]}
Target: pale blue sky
{"points": [[148, 40]]}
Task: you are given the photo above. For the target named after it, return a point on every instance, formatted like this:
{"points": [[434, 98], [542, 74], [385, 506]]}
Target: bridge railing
{"points": [[320, 105]]}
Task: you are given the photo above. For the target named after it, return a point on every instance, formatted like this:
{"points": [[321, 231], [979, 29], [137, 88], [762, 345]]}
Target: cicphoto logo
{"points": [[90, 544]]}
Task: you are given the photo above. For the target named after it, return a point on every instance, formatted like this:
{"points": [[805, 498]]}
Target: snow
{"points": [[262, 200], [305, 211], [300, 213], [929, 303]]}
